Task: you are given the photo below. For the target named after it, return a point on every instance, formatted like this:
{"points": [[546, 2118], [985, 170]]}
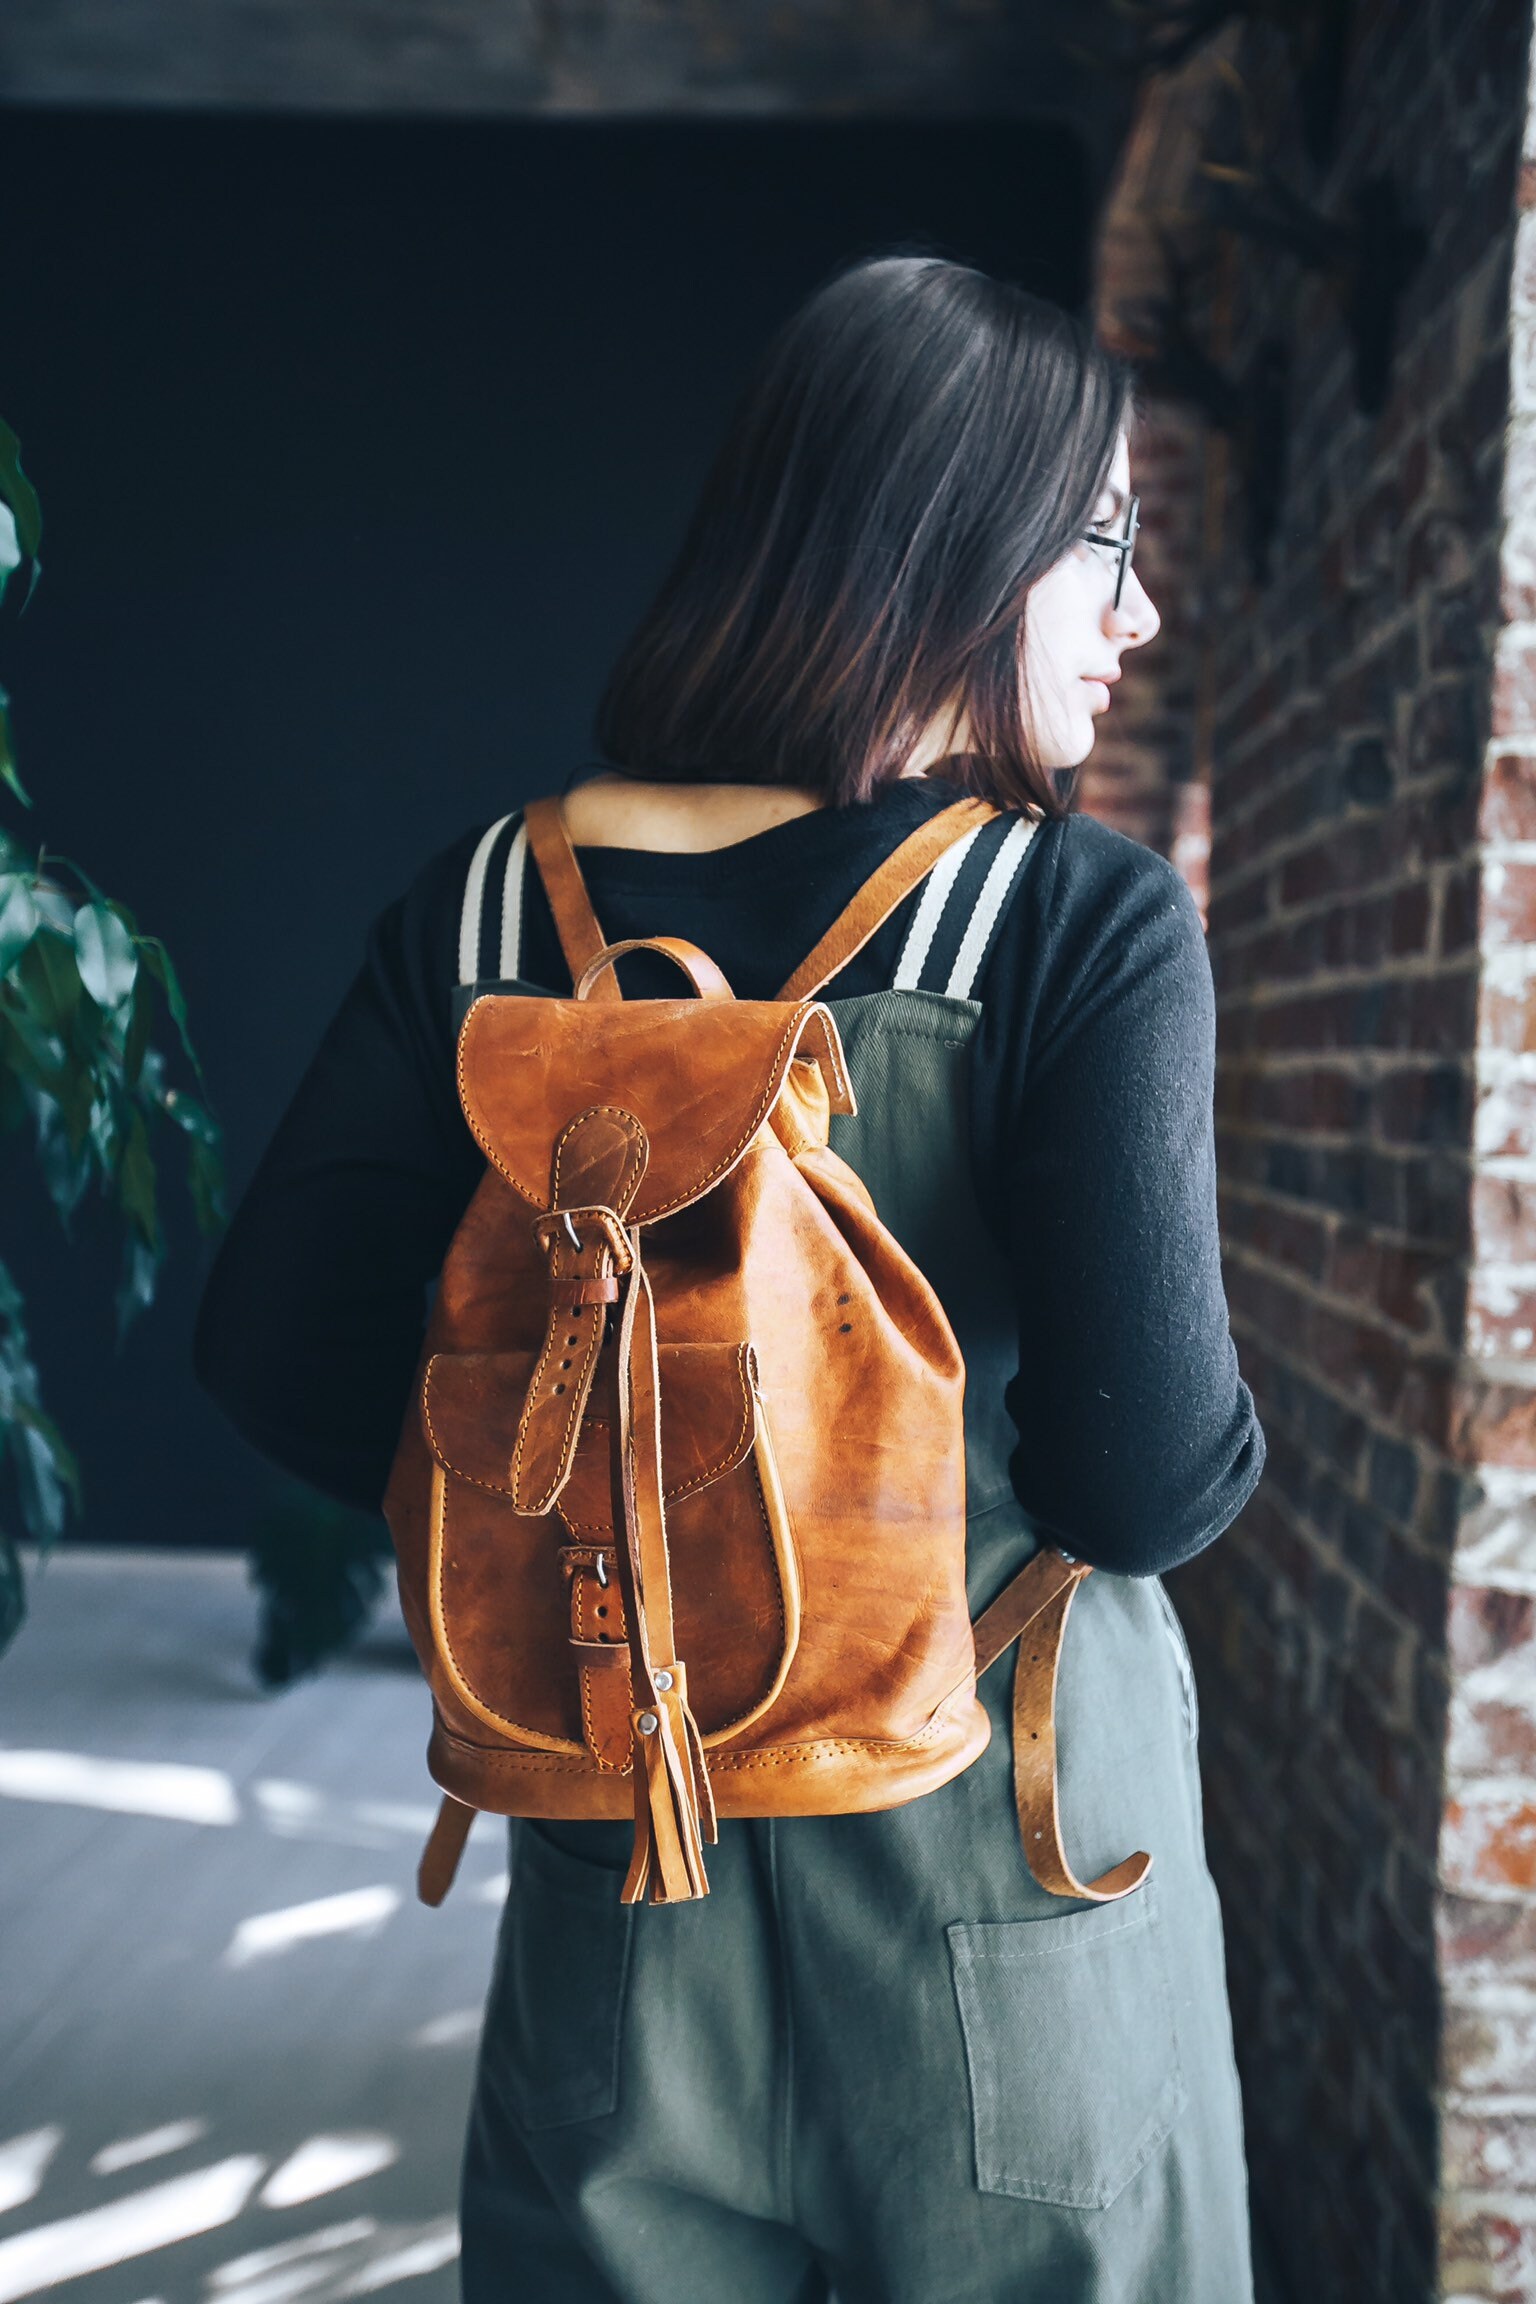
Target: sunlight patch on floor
{"points": [[356, 1912], [23, 2163], [127, 1787], [132, 2151], [324, 2164], [123, 2229]]}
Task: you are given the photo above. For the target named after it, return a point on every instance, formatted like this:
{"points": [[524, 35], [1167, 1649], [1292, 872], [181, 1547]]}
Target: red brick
{"points": [[1514, 689], [1490, 1843], [1493, 1423], [1485, 1626], [1503, 1219], [1507, 1015], [1509, 903], [1509, 797]]}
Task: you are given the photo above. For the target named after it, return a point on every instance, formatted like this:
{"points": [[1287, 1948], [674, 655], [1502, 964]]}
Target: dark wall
{"points": [[360, 446]]}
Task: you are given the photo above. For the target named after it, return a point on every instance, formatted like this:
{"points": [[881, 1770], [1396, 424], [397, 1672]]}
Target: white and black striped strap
{"points": [[961, 907], [491, 918]]}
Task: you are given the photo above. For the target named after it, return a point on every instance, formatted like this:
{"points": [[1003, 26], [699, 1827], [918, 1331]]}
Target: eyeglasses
{"points": [[1124, 543]]}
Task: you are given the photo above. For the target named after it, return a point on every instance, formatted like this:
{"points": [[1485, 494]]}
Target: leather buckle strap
{"points": [[599, 1159], [568, 1225], [1033, 1610]]}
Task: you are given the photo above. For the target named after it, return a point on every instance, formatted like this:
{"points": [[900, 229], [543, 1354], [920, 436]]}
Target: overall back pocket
{"points": [[1071, 2049], [556, 2007]]}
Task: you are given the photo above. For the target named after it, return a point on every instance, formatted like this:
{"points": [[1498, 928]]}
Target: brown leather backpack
{"points": [[680, 1504]]}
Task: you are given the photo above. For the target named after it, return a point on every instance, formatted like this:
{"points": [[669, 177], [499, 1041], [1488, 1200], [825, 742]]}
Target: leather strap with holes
{"points": [[1033, 1610], [599, 1160]]}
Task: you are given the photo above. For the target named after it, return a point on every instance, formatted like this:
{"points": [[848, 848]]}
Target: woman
{"points": [[879, 2062]]}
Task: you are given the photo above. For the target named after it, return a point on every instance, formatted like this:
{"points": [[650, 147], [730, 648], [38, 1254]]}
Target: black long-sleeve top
{"points": [[1092, 1142]]}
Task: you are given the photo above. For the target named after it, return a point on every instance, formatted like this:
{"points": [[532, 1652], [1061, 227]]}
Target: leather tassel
{"points": [[703, 1790], [667, 1866]]}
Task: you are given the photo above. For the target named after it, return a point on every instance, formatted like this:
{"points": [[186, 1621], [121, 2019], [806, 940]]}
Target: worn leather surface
{"points": [[700, 1078]]}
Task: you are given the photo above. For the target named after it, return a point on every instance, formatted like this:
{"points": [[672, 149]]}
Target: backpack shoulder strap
{"points": [[581, 939], [962, 908], [885, 888]]}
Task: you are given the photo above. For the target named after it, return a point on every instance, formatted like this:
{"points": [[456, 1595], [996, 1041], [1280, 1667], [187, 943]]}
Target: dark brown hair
{"points": [[918, 446]]}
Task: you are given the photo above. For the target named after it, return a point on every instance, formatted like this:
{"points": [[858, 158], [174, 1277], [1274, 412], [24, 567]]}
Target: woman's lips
{"points": [[1101, 690]]}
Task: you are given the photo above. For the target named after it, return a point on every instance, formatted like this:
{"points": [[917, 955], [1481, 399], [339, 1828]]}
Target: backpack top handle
{"points": [[707, 980]]}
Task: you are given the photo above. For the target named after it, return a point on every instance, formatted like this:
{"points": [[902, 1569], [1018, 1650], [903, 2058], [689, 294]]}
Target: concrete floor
{"points": [[235, 2053]]}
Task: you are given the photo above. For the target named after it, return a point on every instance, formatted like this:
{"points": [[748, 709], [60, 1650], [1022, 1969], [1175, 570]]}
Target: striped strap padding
{"points": [[491, 917], [961, 909]]}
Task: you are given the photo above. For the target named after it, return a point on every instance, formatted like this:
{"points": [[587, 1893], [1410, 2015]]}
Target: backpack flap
{"points": [[700, 1078]]}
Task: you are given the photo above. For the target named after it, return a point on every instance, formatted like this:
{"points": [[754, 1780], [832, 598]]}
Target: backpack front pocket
{"points": [[501, 1596], [1071, 2049]]}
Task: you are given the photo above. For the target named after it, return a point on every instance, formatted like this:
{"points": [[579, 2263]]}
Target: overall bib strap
{"points": [[1033, 1610], [493, 892]]}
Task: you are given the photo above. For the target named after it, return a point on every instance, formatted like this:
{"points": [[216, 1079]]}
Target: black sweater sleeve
{"points": [[1138, 1440], [312, 1321]]}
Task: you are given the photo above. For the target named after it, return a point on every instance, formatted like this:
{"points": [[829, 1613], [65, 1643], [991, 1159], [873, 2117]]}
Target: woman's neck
{"points": [[678, 819]]}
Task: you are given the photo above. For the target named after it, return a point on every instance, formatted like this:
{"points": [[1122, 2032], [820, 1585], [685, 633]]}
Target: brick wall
{"points": [[1487, 1905], [1372, 901]]}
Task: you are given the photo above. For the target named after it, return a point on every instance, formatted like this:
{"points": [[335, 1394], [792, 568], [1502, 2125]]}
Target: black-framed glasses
{"points": [[1124, 543]]}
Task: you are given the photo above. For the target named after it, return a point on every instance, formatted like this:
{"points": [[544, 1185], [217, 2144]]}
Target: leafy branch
{"points": [[82, 993]]}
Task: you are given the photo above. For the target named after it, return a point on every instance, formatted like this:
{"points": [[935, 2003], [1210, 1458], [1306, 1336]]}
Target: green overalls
{"points": [[879, 2064]]}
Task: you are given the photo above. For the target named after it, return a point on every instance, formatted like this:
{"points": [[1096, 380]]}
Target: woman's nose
{"points": [[1135, 621]]}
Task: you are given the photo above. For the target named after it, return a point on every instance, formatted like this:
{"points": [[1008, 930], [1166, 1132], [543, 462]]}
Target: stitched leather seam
{"points": [[555, 1763], [778, 1586], [796, 1755], [464, 1686], [489, 1487], [702, 1184]]}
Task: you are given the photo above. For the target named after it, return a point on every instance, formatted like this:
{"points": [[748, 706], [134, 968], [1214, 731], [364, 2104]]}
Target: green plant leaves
{"points": [[105, 955], [9, 774], [81, 993], [17, 493], [13, 1592], [32, 1451], [19, 918], [158, 961]]}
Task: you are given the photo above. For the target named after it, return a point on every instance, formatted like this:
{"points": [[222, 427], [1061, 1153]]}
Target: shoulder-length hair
{"points": [[918, 446]]}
